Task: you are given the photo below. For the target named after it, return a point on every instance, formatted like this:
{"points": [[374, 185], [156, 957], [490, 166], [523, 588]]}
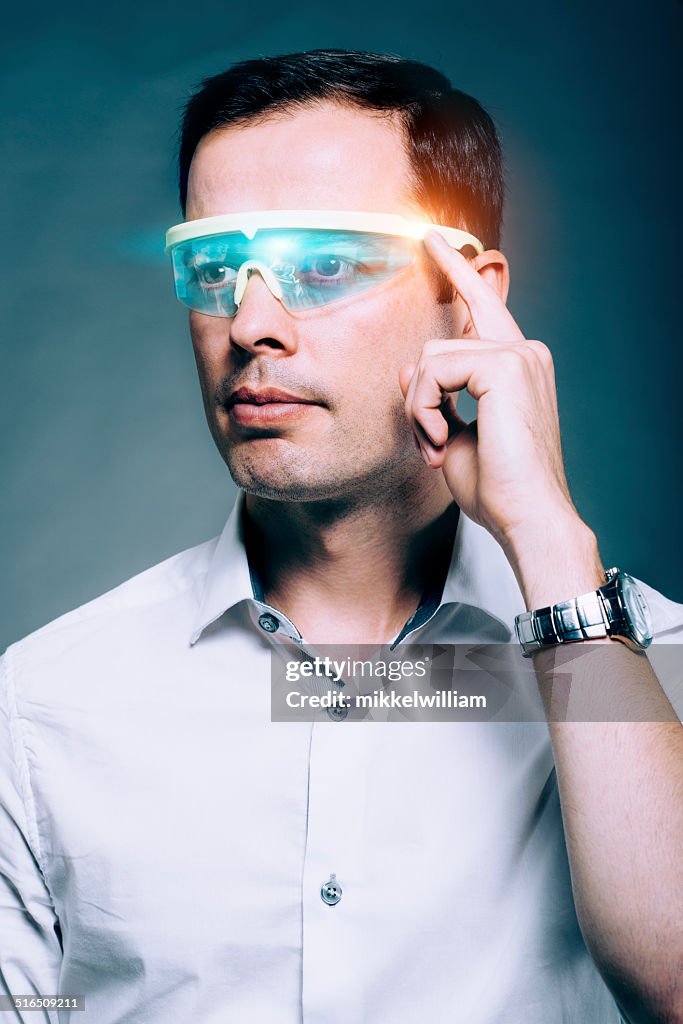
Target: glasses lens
{"points": [[205, 271], [314, 267]]}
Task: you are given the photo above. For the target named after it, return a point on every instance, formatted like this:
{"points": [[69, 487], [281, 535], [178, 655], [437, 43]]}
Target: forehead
{"points": [[326, 157]]}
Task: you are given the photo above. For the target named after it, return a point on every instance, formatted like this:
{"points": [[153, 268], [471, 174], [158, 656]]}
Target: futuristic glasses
{"points": [[307, 258]]}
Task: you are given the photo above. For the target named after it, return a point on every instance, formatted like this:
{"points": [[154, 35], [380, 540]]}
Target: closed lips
{"points": [[265, 397]]}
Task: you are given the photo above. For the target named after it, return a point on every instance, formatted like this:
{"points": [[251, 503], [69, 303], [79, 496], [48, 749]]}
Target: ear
{"points": [[495, 270]]}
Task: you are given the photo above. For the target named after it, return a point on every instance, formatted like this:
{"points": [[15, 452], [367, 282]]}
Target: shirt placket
{"points": [[332, 870], [332, 898]]}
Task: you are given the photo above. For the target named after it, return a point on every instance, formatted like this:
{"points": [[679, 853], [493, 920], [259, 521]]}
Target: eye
{"points": [[328, 266], [214, 274], [330, 269]]}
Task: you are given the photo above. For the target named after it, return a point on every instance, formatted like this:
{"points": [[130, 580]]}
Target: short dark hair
{"points": [[451, 140]]}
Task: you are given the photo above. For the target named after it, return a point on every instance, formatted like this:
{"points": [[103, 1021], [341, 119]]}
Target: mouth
{"points": [[266, 406], [266, 396]]}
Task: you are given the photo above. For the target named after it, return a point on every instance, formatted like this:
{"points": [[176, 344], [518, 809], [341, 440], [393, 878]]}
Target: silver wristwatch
{"points": [[617, 610]]}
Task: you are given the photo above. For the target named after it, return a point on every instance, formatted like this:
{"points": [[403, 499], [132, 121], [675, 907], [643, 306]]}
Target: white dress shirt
{"points": [[163, 843]]}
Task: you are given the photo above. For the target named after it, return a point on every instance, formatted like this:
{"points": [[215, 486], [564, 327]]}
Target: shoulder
{"points": [[172, 584]]}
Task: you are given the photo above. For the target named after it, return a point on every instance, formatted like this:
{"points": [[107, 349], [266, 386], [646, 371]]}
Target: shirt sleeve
{"points": [[666, 652], [30, 939]]}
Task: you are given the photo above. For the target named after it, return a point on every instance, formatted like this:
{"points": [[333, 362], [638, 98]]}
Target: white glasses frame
{"points": [[331, 220]]}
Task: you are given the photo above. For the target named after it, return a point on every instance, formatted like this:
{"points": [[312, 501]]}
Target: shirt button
{"points": [[338, 712], [268, 622], [331, 891]]}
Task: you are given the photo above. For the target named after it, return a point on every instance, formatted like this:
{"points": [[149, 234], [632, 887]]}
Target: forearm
{"points": [[618, 750], [621, 790]]}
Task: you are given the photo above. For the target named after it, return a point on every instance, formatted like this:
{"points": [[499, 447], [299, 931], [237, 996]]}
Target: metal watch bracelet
{"points": [[580, 618]]}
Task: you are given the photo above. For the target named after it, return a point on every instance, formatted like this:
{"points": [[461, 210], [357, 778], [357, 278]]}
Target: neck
{"points": [[348, 571]]}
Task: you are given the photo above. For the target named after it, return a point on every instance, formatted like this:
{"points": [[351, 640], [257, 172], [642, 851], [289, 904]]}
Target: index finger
{"points": [[489, 314]]}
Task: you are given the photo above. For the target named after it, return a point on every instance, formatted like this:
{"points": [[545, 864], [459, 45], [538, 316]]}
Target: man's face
{"points": [[352, 437]]}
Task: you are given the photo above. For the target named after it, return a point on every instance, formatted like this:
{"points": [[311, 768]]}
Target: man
{"points": [[170, 852]]}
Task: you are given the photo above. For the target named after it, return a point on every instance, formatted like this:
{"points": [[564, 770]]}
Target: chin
{"points": [[281, 471], [279, 479]]}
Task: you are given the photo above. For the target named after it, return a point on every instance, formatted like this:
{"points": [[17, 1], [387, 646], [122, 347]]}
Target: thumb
{"points": [[405, 375]]}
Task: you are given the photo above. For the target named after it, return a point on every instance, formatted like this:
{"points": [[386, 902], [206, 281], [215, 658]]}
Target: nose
{"points": [[261, 323]]}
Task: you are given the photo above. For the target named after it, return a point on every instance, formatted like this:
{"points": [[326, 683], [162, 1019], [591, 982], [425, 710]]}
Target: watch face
{"points": [[637, 610]]}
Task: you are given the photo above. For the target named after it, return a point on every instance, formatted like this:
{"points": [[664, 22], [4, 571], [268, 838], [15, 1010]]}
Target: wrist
{"points": [[554, 559]]}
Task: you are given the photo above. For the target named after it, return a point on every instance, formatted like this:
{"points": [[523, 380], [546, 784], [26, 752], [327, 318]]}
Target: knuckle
{"points": [[430, 345], [542, 351], [428, 365], [512, 360]]}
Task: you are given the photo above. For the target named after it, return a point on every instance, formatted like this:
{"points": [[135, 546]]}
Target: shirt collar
{"points": [[228, 580], [479, 574]]}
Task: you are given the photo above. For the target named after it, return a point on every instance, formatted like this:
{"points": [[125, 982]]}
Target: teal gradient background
{"points": [[107, 464]]}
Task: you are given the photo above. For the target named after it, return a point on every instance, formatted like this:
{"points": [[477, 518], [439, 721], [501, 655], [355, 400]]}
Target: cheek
{"points": [[365, 356], [392, 328], [209, 336]]}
